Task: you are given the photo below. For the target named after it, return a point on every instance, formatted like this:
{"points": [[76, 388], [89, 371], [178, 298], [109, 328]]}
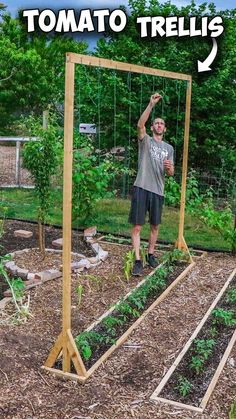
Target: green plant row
{"points": [[202, 349], [127, 309]]}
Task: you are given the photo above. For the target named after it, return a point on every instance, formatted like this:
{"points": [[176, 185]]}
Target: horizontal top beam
{"points": [[118, 65]]}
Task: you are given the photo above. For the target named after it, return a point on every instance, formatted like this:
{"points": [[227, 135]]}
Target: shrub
{"points": [[91, 177], [219, 220]]}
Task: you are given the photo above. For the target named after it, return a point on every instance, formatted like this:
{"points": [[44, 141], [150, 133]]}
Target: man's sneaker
{"points": [[152, 260], [138, 268]]}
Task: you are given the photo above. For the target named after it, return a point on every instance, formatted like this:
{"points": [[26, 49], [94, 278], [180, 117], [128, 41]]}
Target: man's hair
{"points": [[153, 120]]}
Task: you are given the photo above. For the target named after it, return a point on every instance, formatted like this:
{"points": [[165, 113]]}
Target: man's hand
{"points": [[169, 167], [154, 99]]}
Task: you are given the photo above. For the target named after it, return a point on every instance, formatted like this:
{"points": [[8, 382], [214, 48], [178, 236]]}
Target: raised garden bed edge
{"points": [[155, 395]]}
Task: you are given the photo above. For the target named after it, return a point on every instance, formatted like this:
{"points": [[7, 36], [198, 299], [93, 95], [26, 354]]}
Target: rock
{"points": [[22, 273], [31, 276], [93, 265], [93, 259], [231, 362], [30, 282], [83, 263], [9, 264], [7, 293], [13, 269], [102, 254], [4, 302], [23, 233], [48, 275], [57, 243], [90, 232]]}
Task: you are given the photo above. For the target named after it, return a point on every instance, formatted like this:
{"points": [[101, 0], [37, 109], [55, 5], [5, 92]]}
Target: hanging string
{"points": [[89, 86], [178, 91], [153, 91], [163, 98], [127, 148], [79, 97], [141, 96], [114, 90], [114, 120], [99, 113], [130, 115]]}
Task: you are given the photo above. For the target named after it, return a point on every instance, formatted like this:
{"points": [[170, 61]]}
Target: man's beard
{"points": [[157, 133]]}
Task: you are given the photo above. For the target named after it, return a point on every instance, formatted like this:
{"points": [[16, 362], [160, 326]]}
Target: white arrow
{"points": [[205, 65]]}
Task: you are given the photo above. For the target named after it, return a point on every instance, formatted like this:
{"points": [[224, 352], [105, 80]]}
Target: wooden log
{"points": [[67, 199], [53, 355], [66, 375], [178, 405], [118, 65], [75, 356], [181, 244], [163, 382]]}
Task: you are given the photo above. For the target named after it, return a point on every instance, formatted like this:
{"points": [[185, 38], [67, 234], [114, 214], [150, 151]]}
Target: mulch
{"points": [[121, 387]]}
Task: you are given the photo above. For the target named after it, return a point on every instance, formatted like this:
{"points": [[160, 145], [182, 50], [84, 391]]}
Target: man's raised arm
{"points": [[145, 115]]}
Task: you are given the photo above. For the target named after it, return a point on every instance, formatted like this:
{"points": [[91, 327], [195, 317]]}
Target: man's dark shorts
{"points": [[142, 202]]}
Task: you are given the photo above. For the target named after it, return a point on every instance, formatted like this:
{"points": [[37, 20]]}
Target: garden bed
{"points": [[193, 376], [122, 385], [105, 335]]}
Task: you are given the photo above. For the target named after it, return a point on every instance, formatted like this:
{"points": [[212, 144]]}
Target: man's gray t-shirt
{"points": [[151, 173]]}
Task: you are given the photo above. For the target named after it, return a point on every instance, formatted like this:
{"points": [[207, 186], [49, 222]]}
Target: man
{"points": [[155, 160]]}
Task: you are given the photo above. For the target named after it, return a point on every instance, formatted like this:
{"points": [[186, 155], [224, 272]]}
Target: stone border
{"points": [[32, 279]]}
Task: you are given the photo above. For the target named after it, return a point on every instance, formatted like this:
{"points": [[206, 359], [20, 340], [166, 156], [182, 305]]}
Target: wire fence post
{"points": [[18, 163]]}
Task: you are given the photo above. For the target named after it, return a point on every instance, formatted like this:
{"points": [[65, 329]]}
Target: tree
{"points": [[31, 70], [42, 157]]}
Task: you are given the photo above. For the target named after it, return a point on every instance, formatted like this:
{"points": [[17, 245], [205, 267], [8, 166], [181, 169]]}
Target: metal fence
{"points": [[12, 174]]}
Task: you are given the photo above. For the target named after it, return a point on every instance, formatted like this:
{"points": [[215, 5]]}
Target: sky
{"points": [[14, 5]]}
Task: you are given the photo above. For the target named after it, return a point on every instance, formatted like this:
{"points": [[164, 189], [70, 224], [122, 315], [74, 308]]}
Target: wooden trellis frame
{"points": [[65, 343]]}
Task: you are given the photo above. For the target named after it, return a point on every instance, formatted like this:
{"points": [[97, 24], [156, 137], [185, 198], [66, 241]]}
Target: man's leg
{"points": [[155, 212], [135, 236], [153, 238], [137, 218], [152, 261]]}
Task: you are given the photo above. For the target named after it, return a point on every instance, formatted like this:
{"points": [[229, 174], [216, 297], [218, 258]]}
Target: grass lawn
{"points": [[111, 216]]}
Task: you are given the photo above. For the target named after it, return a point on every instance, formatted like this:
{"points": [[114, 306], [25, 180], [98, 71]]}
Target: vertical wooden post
{"points": [[181, 244], [67, 205]]}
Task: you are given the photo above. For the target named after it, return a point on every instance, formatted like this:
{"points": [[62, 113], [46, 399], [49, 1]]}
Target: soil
{"points": [[121, 386], [9, 243]]}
